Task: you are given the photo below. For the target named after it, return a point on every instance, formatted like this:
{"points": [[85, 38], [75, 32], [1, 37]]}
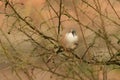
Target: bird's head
{"points": [[73, 32]]}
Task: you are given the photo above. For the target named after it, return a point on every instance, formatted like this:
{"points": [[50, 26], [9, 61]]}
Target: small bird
{"points": [[71, 38]]}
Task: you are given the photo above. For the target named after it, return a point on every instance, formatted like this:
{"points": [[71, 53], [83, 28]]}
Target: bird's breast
{"points": [[71, 38]]}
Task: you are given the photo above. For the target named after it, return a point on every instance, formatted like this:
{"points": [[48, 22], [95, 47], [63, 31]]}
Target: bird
{"points": [[71, 38]]}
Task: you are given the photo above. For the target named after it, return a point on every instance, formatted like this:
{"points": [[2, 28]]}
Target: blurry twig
{"points": [[84, 54], [113, 21], [52, 7], [30, 25], [96, 32], [113, 9], [9, 42], [33, 40], [59, 17]]}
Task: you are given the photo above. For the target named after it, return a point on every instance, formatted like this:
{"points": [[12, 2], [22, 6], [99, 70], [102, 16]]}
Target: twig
{"points": [[113, 9], [32, 27], [59, 17]]}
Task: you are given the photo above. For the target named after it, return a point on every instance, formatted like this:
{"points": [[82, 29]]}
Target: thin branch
{"points": [[113, 9], [52, 8], [100, 13], [59, 17], [32, 27], [96, 32], [33, 40], [81, 29]]}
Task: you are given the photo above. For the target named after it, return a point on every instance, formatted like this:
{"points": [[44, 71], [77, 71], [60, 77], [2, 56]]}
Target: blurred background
{"points": [[29, 39]]}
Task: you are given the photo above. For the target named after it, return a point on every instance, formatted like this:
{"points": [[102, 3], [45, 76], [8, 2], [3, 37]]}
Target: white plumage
{"points": [[71, 39]]}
